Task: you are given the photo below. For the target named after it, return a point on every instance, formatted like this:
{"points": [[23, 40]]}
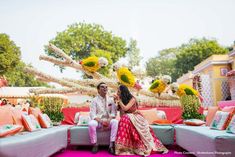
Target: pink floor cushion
{"points": [[5, 116], [44, 120], [7, 130], [194, 122], [210, 114], [150, 115], [222, 104], [30, 123]]}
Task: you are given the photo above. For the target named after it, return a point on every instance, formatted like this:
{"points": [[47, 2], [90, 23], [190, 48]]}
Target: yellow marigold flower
{"points": [[158, 86], [126, 77], [90, 64], [186, 90]]}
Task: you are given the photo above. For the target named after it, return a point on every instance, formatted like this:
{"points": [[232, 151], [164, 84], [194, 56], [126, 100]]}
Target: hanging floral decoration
{"points": [[158, 86], [125, 77], [186, 90], [93, 63], [197, 83]]}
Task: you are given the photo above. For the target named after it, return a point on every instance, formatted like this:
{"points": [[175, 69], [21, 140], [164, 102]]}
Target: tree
{"points": [[9, 54], [163, 64], [177, 61], [133, 54], [12, 67], [80, 40], [18, 78], [195, 52]]}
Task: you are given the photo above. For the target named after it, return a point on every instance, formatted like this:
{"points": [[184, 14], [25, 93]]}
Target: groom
{"points": [[103, 112]]}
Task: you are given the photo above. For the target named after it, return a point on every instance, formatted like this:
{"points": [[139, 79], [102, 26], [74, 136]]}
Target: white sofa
{"points": [[205, 142], [42, 143]]}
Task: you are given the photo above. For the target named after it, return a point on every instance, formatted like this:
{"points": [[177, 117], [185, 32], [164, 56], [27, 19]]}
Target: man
{"points": [[102, 112]]}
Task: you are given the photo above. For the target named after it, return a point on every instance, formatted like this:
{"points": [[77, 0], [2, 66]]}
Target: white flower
{"points": [[174, 86], [103, 62], [166, 79], [116, 66]]}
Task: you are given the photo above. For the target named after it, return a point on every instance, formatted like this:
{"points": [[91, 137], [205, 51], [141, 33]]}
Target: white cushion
{"points": [[76, 117], [161, 114], [83, 120]]}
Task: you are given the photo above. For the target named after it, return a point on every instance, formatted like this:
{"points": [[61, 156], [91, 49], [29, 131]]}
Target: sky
{"points": [[155, 24]]}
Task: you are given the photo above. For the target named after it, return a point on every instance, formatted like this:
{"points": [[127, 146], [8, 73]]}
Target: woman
{"points": [[134, 135]]}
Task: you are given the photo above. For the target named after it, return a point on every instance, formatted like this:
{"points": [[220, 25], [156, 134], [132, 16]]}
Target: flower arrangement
{"points": [[189, 99], [186, 90], [126, 77], [190, 105], [158, 86], [93, 63], [49, 105], [183, 89]]}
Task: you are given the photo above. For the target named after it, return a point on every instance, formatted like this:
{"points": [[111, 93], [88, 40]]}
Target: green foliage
{"points": [[124, 78], [12, 67], [154, 85], [195, 52], [18, 78], [49, 105], [9, 54], [133, 54], [178, 61], [190, 105], [188, 91], [79, 40], [163, 64]]}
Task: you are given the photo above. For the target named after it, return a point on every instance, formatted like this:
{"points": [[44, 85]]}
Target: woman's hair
{"points": [[125, 94]]}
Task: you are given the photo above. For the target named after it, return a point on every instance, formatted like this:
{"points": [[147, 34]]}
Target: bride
{"points": [[134, 135]]}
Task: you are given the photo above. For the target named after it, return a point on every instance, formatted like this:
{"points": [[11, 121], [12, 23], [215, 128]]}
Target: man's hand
{"points": [[105, 123], [98, 120]]}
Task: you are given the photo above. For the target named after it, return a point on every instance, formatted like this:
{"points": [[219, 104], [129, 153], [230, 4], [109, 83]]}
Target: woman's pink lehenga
{"points": [[134, 136]]}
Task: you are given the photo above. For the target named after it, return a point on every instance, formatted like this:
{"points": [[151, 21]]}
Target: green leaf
{"points": [[188, 91], [124, 78], [80, 40], [154, 85], [90, 64]]}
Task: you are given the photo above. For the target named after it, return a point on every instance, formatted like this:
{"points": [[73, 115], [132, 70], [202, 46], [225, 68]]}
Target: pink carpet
{"points": [[177, 152]]}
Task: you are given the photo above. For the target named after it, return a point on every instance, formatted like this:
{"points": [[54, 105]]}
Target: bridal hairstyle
{"points": [[125, 94]]}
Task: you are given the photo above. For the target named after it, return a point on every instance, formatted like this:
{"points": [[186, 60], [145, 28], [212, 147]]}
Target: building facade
{"points": [[210, 78]]}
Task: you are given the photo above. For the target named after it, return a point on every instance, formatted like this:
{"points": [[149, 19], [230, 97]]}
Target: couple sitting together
{"points": [[131, 134]]}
